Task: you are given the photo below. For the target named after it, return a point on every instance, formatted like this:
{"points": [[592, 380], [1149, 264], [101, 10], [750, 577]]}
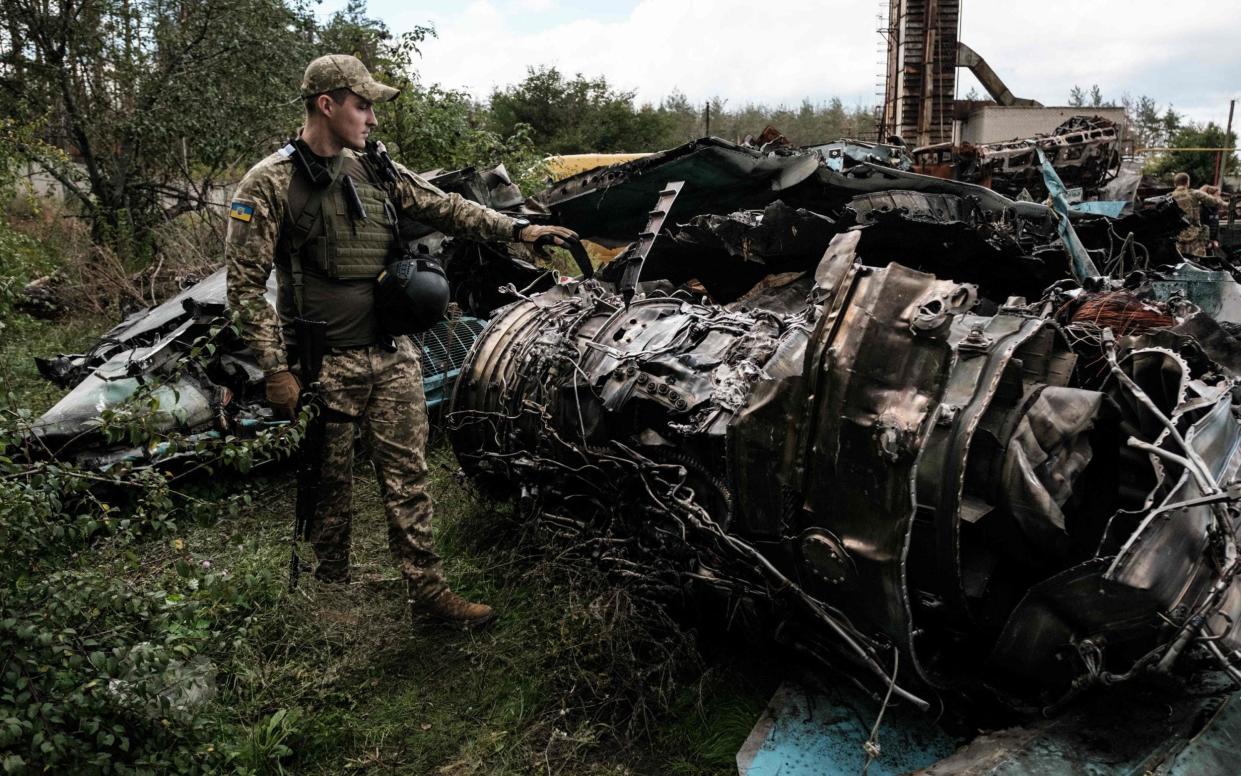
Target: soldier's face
{"points": [[352, 121]]}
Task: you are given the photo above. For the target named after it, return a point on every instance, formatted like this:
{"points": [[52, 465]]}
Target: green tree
{"points": [[1172, 123], [1199, 164], [1079, 98], [578, 115], [429, 127], [389, 57], [1145, 124], [808, 124], [154, 100], [684, 120]]}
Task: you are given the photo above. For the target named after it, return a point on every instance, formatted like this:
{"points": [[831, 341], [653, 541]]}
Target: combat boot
{"points": [[451, 608], [333, 573]]}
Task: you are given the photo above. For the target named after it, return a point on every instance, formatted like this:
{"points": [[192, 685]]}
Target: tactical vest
{"points": [[323, 231]]}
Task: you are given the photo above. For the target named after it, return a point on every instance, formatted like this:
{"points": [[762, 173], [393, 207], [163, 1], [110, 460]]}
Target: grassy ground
{"points": [[571, 679]]}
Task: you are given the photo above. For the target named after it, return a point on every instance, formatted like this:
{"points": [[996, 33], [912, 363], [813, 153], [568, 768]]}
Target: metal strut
{"points": [[635, 257]]}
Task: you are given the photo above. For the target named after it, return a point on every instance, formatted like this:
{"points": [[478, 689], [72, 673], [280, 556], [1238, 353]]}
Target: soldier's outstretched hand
{"points": [[558, 233]]}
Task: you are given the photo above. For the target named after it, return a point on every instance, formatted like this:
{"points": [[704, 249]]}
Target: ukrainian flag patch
{"points": [[241, 211]]}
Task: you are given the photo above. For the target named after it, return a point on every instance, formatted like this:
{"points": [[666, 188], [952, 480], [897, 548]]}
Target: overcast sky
{"points": [[1183, 53]]}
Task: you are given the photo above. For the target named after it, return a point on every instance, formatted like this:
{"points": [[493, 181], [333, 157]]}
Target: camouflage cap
{"points": [[341, 71]]}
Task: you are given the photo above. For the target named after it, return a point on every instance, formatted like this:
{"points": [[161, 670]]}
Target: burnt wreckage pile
{"points": [[875, 403], [1084, 149], [880, 403]]}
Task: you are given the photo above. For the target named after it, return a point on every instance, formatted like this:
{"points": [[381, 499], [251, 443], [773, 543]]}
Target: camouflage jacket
{"points": [[259, 213], [1190, 201]]}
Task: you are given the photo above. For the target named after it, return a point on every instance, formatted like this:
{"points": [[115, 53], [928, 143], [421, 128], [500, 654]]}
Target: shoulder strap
{"points": [[380, 165], [300, 227], [301, 224]]}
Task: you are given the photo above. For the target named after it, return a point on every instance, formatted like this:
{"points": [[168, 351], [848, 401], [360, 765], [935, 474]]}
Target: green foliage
{"points": [[99, 677], [806, 124], [351, 31], [1078, 98], [22, 259], [710, 723], [429, 127], [267, 744], [1150, 127], [587, 115], [155, 100], [1199, 164], [184, 637], [426, 127], [102, 675], [577, 115]]}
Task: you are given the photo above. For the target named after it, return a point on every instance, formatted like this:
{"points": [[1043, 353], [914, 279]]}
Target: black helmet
{"points": [[411, 296]]}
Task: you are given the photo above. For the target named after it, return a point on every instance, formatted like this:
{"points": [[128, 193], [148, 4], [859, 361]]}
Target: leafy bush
{"points": [[430, 127], [111, 663]]}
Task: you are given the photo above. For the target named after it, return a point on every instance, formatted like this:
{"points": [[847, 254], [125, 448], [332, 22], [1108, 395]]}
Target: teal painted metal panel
{"points": [[806, 733], [1083, 267], [1217, 749], [1103, 207], [1186, 727]]}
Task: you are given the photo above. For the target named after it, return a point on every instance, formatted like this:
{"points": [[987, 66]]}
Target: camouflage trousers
{"points": [[1192, 241], [382, 391]]}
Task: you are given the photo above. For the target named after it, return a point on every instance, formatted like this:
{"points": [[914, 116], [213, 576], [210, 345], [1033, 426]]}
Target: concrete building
{"points": [[989, 123]]}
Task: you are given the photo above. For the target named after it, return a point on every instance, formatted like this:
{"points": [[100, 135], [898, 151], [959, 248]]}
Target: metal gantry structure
{"points": [[920, 71]]}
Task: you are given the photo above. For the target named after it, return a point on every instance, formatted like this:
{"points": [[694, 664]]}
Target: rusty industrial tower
{"points": [[920, 80]]}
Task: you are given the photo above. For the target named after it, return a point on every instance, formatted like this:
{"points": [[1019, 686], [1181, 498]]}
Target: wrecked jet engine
{"points": [[944, 499]]}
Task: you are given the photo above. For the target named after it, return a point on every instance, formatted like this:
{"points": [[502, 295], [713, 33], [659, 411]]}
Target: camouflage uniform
{"points": [[380, 388], [1192, 240]]}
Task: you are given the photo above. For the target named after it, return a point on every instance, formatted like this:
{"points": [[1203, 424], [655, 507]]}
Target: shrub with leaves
{"points": [[109, 663]]}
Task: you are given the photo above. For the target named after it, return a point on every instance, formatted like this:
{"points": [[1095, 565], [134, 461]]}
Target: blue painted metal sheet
{"points": [[1102, 207], [1215, 292], [811, 733], [1217, 749], [1083, 267], [1181, 728]]}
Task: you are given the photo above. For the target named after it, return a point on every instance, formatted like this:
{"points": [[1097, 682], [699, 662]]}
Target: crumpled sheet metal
{"points": [[1174, 554], [140, 332], [609, 205], [1084, 269], [843, 154], [1215, 292], [1084, 149], [720, 177], [867, 431]]}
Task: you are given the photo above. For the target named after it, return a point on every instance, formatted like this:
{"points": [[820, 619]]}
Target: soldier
{"points": [[298, 210], [1192, 240]]}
